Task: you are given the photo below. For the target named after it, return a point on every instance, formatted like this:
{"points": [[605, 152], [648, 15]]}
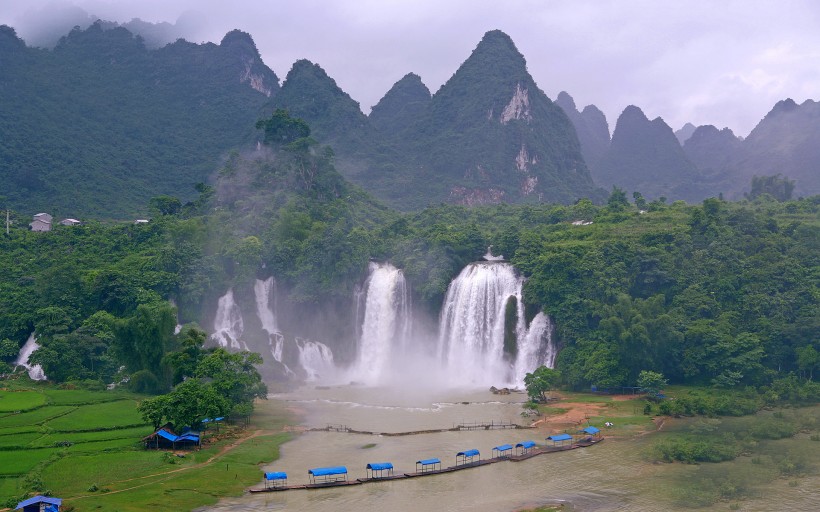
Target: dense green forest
{"points": [[95, 126], [722, 294]]}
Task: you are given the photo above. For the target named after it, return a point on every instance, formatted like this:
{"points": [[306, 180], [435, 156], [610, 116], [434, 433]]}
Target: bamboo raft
{"points": [[585, 443]]}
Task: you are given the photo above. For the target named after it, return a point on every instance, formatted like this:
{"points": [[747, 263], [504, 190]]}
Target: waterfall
{"points": [[385, 328], [471, 329], [228, 323], [265, 294], [536, 348], [316, 358], [264, 290], [35, 372]]}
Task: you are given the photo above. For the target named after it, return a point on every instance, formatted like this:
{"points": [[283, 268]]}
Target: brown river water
{"points": [[610, 476]]}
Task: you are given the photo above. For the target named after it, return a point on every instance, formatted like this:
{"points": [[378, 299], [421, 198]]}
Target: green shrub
{"points": [[146, 382]]}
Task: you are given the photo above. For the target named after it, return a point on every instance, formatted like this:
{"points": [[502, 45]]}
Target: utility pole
{"points": [[7, 222]]}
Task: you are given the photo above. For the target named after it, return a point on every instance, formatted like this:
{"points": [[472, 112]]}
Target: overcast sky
{"points": [[707, 62]]}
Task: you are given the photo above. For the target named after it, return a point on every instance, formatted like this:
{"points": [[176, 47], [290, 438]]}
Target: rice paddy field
{"points": [[85, 447]]}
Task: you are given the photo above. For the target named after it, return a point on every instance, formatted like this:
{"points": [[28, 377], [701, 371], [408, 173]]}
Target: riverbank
{"points": [[572, 411]]}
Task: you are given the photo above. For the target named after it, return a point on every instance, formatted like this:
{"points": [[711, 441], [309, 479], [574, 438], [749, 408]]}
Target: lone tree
{"points": [[651, 382], [281, 129], [540, 382]]}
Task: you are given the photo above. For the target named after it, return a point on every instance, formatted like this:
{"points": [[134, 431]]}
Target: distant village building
{"points": [[70, 222], [141, 221], [41, 222]]}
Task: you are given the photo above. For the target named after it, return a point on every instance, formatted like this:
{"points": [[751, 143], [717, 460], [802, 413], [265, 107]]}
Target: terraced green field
{"points": [[85, 447]]}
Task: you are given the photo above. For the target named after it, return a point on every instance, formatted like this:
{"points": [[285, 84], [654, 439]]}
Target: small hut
{"points": [[276, 480], [502, 451], [468, 457], [40, 504], [428, 465], [560, 440], [379, 469], [327, 475], [165, 438], [591, 431], [524, 447]]}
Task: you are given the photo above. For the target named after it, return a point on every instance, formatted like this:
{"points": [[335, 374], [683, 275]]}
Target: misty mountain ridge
{"points": [[103, 113], [590, 125], [45, 28], [685, 132], [645, 156], [713, 151]]}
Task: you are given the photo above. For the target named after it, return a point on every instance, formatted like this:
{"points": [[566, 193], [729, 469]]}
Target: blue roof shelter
{"points": [[40, 504], [524, 447], [593, 431], [212, 421], [428, 465], [503, 450], [467, 457], [560, 439], [276, 479], [164, 438], [379, 469], [327, 475]]}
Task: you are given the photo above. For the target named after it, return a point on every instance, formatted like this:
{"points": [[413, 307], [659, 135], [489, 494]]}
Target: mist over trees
{"points": [[715, 293]]}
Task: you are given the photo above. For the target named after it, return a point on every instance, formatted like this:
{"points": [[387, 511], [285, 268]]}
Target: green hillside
{"points": [[99, 125]]}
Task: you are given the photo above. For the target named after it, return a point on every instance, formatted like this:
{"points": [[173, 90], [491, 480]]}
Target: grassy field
{"points": [[84, 447]]}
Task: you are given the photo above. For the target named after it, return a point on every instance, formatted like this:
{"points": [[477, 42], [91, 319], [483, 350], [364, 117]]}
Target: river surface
{"points": [[610, 476]]}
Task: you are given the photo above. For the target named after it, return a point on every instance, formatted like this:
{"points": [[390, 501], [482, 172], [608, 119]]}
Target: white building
{"points": [[41, 222]]}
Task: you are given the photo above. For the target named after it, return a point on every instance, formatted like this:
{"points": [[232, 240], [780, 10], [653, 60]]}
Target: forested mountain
{"points": [[488, 135], [100, 124], [402, 106], [645, 156], [592, 129], [334, 117], [491, 135]]}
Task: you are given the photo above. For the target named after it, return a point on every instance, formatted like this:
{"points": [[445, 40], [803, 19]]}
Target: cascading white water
{"points": [[263, 291], [316, 358], [35, 372], [471, 329], [228, 323], [386, 325], [536, 348], [265, 294]]}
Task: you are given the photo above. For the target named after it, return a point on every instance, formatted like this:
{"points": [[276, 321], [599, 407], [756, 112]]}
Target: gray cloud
{"points": [[723, 63]]}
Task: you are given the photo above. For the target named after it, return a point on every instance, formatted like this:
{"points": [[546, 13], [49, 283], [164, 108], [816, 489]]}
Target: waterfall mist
{"points": [[481, 338]]}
